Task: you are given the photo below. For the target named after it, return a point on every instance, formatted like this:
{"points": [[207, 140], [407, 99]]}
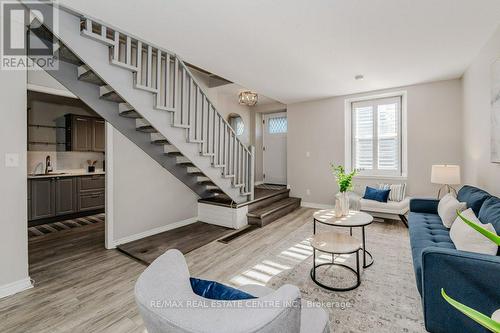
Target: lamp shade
{"points": [[445, 174]]}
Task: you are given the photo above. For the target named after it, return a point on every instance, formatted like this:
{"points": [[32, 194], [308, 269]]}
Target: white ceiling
{"points": [[295, 50]]}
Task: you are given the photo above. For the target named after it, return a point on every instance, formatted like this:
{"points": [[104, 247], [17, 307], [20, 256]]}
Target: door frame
{"points": [[263, 124]]}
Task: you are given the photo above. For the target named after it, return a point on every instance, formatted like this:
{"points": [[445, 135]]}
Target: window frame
{"points": [[349, 137]]}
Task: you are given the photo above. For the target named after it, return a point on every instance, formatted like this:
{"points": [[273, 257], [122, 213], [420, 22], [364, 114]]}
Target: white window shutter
{"points": [[376, 136]]}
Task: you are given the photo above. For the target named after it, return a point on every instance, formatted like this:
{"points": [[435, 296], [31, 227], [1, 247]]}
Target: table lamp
{"points": [[445, 175]]}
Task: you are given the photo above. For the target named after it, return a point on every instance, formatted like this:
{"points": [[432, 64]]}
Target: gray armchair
{"points": [[167, 303]]}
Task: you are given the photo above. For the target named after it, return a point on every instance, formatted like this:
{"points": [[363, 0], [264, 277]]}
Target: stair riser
{"points": [[268, 201], [273, 216]]}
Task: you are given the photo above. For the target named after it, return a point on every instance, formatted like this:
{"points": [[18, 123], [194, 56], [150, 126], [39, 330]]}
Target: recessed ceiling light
{"points": [[359, 77]]}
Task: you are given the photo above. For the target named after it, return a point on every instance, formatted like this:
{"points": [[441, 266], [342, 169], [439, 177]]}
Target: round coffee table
{"points": [[335, 244], [352, 220]]}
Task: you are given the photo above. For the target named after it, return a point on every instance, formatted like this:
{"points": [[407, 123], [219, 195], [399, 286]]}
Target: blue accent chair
{"points": [[472, 279]]}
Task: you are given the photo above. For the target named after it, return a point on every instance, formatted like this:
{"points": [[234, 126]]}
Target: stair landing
{"points": [[270, 203]]}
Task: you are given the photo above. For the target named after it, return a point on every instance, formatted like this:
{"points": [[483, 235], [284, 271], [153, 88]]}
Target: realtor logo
{"points": [[27, 41]]}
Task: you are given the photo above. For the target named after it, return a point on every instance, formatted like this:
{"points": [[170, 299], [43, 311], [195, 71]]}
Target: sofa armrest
{"points": [[470, 278], [421, 205]]}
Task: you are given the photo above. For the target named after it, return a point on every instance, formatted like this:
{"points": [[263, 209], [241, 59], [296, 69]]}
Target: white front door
{"points": [[274, 154]]}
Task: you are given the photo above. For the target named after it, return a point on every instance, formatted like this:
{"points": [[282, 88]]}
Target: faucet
{"points": [[48, 167]]}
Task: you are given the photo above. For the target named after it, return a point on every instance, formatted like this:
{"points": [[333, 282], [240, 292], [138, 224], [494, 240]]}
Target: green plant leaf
{"points": [[486, 233], [477, 316]]}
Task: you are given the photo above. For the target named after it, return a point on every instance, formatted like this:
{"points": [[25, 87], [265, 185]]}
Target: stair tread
{"points": [[273, 207]]}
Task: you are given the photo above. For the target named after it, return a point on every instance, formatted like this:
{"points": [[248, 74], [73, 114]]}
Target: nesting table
{"points": [[340, 244], [354, 219]]}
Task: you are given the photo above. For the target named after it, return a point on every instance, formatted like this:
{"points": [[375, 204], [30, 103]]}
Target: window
{"points": [[277, 125], [375, 145]]}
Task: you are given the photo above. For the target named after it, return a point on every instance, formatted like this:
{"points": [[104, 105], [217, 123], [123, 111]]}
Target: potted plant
{"points": [[491, 323], [344, 181]]}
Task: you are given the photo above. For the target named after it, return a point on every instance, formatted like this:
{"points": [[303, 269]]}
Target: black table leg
{"points": [[314, 226], [365, 252]]}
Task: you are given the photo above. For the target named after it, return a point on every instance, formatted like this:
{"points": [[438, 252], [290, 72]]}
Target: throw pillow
{"points": [[467, 239], [398, 191], [447, 209], [376, 194], [217, 291]]}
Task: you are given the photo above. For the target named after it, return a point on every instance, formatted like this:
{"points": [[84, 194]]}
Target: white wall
{"points": [[317, 127], [146, 196], [478, 170], [13, 191]]}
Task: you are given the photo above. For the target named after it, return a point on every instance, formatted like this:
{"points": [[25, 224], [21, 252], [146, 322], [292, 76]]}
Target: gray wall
{"points": [[478, 170], [146, 196], [317, 127], [13, 191]]}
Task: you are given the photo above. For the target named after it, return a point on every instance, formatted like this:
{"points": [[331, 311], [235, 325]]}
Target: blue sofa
{"points": [[470, 278]]}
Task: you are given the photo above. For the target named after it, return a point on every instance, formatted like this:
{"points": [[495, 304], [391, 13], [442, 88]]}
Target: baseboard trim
{"points": [[258, 183], [15, 287], [316, 205], [154, 231]]}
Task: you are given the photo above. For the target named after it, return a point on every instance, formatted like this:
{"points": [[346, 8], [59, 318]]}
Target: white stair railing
{"points": [[164, 74]]}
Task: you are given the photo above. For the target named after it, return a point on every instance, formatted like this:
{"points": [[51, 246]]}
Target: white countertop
{"points": [[68, 173]]}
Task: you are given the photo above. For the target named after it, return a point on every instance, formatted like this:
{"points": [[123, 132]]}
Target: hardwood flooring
{"points": [[185, 239], [82, 287]]}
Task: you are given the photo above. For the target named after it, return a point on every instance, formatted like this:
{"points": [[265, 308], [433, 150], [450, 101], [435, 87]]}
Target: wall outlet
{"points": [[308, 192], [11, 160], [308, 154]]}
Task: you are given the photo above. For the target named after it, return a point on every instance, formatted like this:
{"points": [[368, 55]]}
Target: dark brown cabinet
{"points": [[91, 192], [85, 133], [65, 189], [59, 196], [42, 198], [98, 135]]}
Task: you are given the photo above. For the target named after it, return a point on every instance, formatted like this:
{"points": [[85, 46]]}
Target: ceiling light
{"points": [[248, 98], [359, 77]]}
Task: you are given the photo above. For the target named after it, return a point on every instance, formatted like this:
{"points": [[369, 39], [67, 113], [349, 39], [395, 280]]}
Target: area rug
{"points": [[387, 299], [49, 228], [185, 239]]}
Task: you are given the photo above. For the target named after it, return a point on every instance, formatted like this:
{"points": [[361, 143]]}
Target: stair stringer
{"points": [[94, 55], [89, 94]]}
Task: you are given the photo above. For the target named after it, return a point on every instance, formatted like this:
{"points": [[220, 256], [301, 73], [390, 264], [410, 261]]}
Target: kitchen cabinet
{"points": [[91, 192], [65, 192], [42, 198], [98, 135], [56, 197], [85, 133]]}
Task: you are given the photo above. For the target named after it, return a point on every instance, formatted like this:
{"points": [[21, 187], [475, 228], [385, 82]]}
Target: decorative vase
{"points": [[344, 203], [338, 205]]}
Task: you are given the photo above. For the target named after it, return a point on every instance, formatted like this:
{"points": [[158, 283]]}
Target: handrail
{"points": [[183, 64], [236, 159]]}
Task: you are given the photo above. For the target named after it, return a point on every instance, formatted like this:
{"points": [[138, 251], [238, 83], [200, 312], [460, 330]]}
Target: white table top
{"points": [[353, 219], [334, 242]]}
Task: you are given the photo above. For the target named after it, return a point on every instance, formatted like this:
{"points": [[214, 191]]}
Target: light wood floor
{"points": [[81, 287]]}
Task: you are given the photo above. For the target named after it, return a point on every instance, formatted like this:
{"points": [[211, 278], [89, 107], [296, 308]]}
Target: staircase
{"points": [[149, 95], [269, 208]]}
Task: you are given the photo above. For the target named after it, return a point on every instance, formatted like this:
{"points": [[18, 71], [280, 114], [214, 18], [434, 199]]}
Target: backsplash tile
{"points": [[62, 160]]}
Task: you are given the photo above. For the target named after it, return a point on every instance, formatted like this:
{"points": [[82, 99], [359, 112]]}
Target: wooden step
{"points": [[277, 209], [108, 93], [126, 110], [64, 54], [267, 200], [87, 75]]}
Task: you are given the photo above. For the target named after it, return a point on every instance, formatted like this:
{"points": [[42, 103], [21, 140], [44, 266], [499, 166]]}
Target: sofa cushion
{"points": [[376, 194], [389, 207], [217, 291], [490, 212], [447, 209], [426, 230], [473, 196], [465, 238]]}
